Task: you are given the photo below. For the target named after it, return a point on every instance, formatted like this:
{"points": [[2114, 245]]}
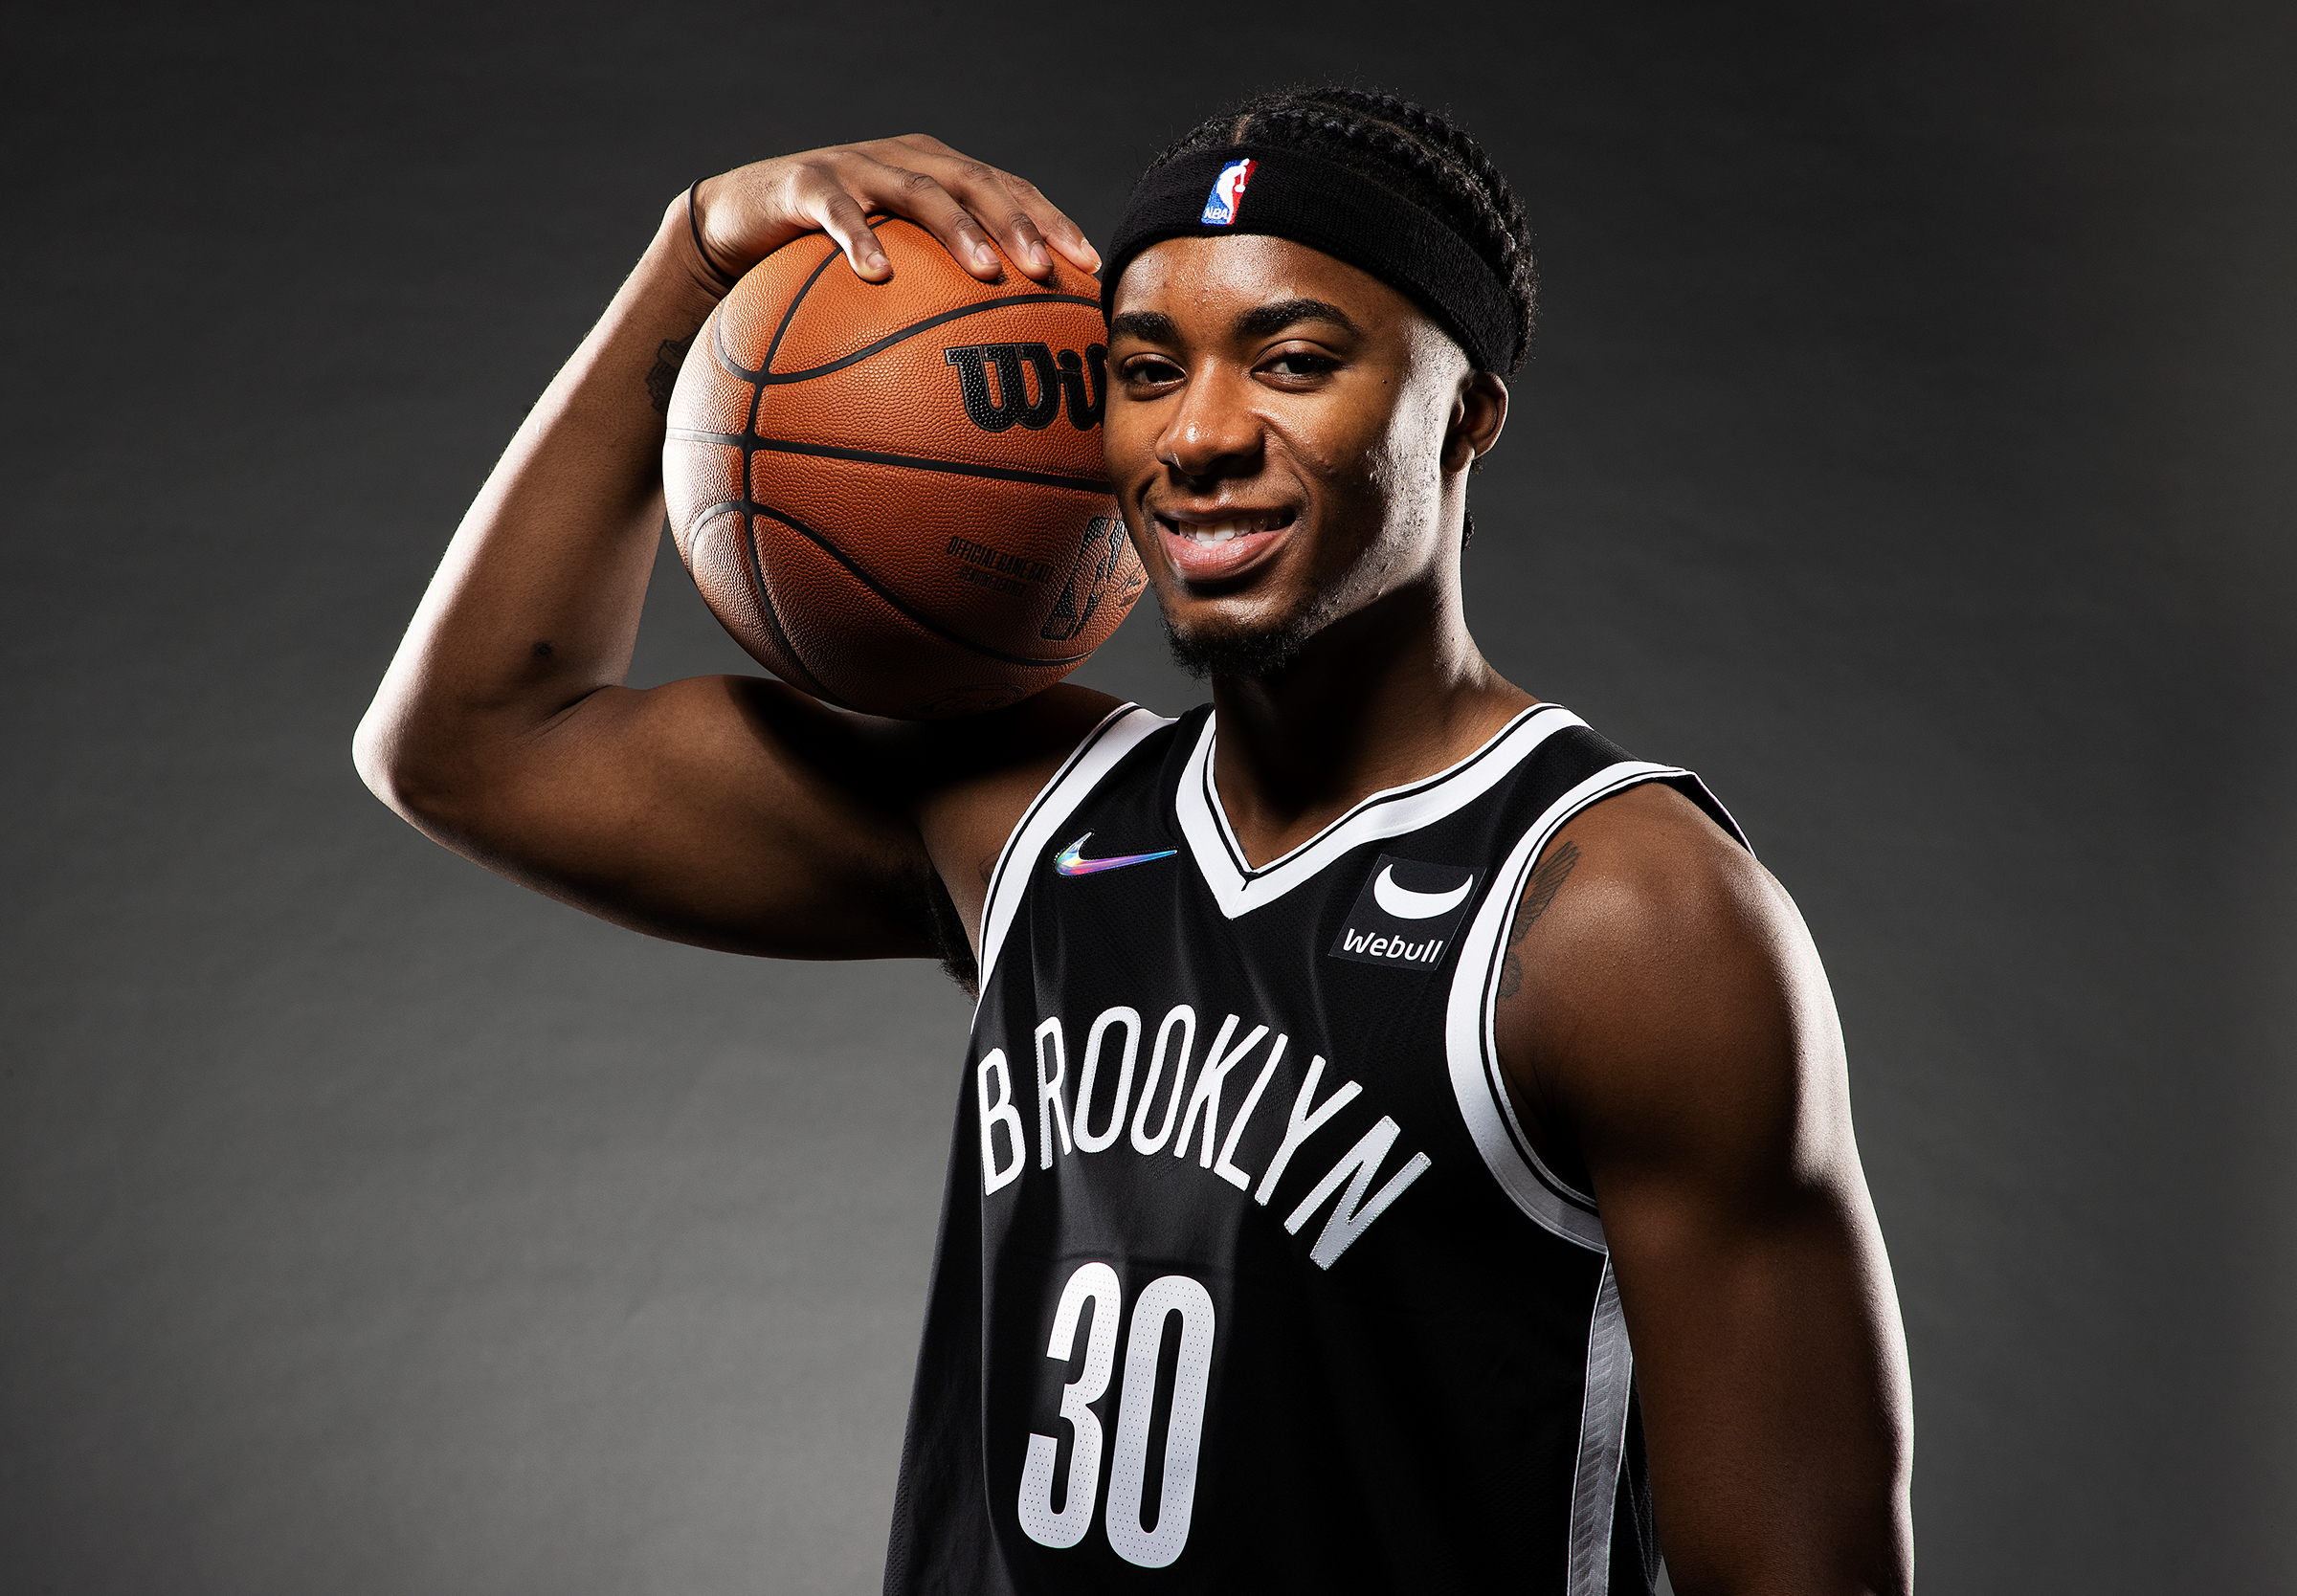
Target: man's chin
{"points": [[1207, 652]]}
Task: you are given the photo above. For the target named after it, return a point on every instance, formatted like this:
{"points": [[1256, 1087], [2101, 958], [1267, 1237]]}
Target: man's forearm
{"points": [[537, 602]]}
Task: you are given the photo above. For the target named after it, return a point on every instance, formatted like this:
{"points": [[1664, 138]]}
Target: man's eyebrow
{"points": [[1266, 320], [1148, 325]]}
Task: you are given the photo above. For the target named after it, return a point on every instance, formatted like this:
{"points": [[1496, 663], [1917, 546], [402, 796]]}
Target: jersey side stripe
{"points": [[1117, 734], [1391, 813], [1473, 1051], [1602, 1439]]}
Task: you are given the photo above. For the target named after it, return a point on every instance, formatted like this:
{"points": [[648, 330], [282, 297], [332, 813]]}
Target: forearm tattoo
{"points": [[1545, 881], [664, 376]]}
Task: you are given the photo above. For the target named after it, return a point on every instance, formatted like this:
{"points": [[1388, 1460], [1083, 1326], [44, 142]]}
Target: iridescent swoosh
{"points": [[1068, 862]]}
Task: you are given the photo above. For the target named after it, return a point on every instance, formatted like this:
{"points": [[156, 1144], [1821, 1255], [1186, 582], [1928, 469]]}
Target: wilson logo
{"points": [[1028, 385]]}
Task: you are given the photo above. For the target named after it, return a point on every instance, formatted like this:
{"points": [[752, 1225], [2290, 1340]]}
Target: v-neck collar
{"points": [[1240, 889]]}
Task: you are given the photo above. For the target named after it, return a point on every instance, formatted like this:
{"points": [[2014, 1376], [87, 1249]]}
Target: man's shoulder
{"points": [[1650, 856], [973, 779], [1650, 946], [1028, 740]]}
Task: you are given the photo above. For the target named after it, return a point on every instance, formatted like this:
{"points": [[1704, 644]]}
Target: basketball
{"points": [[891, 494]]}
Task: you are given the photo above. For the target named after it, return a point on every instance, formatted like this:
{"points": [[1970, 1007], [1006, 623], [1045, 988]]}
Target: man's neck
{"points": [[1379, 699]]}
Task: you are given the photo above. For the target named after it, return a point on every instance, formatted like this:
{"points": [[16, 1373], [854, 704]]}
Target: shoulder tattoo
{"points": [[1545, 882]]}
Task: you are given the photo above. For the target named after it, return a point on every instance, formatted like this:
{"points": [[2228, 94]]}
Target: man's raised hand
{"points": [[745, 215]]}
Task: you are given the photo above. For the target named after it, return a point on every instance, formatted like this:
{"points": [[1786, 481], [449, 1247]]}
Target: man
{"points": [[1388, 1103]]}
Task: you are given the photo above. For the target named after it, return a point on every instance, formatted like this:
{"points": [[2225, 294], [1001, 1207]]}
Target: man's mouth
{"points": [[1206, 532], [1214, 546]]}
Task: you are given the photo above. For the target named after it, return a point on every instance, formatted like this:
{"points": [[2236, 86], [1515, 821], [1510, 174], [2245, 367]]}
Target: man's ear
{"points": [[1477, 414]]}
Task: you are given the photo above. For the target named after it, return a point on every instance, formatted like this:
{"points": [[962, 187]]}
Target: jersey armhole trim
{"points": [[1471, 1046], [1119, 732]]}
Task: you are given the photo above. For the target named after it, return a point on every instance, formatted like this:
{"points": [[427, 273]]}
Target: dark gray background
{"points": [[1907, 448]]}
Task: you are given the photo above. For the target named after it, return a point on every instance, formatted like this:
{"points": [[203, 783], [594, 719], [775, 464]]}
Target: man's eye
{"points": [[1299, 362], [1150, 368]]}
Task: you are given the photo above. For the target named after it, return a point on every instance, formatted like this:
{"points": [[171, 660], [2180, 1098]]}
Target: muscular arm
{"points": [[1673, 1046], [728, 812]]}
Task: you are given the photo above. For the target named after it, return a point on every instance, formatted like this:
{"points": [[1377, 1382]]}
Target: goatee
{"points": [[1239, 653]]}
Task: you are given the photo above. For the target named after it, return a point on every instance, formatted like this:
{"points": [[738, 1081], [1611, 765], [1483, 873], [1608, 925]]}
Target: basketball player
{"points": [[1404, 1144]]}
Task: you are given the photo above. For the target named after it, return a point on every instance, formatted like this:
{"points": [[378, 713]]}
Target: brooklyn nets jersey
{"points": [[1249, 1279]]}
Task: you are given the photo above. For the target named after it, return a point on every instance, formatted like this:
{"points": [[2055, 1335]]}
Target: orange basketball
{"points": [[891, 494]]}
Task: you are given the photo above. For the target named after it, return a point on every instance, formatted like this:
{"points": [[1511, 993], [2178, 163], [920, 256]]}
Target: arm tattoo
{"points": [[1545, 882], [664, 376]]}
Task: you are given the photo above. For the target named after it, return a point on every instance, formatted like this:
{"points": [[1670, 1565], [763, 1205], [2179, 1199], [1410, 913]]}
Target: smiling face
{"points": [[1289, 437]]}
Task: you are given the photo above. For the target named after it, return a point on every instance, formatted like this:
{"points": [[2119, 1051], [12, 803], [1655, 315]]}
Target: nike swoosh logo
{"points": [[1406, 904], [1069, 862]]}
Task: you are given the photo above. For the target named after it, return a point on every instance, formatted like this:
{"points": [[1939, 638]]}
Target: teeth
{"points": [[1221, 531]]}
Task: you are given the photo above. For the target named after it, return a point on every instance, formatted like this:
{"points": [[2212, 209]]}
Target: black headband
{"points": [[1289, 193]]}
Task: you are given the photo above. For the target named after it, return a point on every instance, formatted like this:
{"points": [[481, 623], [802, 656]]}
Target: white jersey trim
{"points": [[1471, 1046], [1120, 731], [1602, 1441], [1238, 888]]}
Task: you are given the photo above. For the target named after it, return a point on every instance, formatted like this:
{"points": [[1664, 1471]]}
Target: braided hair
{"points": [[1404, 147]]}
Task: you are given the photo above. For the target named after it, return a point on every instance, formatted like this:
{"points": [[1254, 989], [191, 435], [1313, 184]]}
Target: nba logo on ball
{"points": [[1228, 192]]}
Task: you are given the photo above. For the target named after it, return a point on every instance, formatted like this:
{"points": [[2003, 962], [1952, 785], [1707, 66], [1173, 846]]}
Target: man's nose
{"points": [[1215, 432]]}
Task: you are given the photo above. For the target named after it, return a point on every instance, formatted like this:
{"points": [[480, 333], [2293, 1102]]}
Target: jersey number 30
{"points": [[1160, 1301]]}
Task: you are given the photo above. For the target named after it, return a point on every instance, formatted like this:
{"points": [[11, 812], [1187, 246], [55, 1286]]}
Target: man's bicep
{"points": [[1769, 1361], [1699, 1072], [1757, 1294], [725, 811]]}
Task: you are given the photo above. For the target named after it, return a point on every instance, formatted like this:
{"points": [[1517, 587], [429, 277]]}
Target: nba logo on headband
{"points": [[1227, 193]]}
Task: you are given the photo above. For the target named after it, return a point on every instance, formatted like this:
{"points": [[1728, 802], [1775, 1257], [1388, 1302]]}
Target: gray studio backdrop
{"points": [[1907, 449]]}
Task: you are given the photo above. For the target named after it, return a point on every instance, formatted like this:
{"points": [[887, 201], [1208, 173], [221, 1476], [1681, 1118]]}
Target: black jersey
{"points": [[1248, 1278]]}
